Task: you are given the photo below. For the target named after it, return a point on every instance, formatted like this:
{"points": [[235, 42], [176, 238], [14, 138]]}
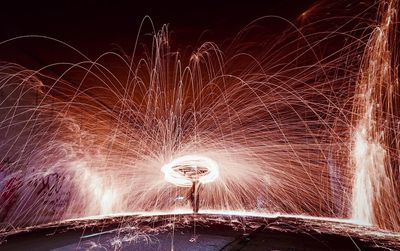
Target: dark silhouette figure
{"points": [[194, 196]]}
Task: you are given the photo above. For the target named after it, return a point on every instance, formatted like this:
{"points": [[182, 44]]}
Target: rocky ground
{"points": [[199, 232]]}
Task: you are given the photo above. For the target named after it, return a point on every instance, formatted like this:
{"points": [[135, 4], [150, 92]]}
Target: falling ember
{"points": [[97, 192], [375, 141], [369, 158]]}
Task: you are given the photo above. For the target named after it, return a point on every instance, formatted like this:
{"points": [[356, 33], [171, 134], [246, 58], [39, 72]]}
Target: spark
{"points": [[306, 126], [184, 170], [374, 156]]}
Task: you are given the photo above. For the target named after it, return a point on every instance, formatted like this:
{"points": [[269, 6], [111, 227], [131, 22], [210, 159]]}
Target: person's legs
{"points": [[194, 196]]}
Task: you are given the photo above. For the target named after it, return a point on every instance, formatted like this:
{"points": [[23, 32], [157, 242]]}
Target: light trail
{"points": [[375, 137], [307, 126], [185, 170]]}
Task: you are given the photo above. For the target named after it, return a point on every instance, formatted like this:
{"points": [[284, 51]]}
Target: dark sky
{"points": [[78, 19], [94, 25]]}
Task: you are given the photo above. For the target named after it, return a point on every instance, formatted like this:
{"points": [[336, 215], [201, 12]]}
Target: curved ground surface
{"points": [[199, 232]]}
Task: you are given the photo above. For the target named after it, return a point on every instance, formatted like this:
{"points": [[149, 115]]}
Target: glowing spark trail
{"points": [[305, 123], [184, 170], [376, 142]]}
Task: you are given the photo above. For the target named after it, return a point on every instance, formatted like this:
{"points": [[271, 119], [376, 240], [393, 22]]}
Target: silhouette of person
{"points": [[194, 196]]}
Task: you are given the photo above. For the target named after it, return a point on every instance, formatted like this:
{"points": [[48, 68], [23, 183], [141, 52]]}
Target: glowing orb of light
{"points": [[185, 170]]}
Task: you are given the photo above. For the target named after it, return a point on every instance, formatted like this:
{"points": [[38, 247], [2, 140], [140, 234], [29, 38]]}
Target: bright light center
{"points": [[185, 170]]}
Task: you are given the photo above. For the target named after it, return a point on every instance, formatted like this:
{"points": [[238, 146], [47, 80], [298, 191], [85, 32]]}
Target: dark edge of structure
{"points": [[245, 229]]}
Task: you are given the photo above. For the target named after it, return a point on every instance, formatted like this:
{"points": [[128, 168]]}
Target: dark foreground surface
{"points": [[199, 232]]}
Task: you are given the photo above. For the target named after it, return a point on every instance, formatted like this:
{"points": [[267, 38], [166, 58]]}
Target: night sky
{"points": [[95, 26]]}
